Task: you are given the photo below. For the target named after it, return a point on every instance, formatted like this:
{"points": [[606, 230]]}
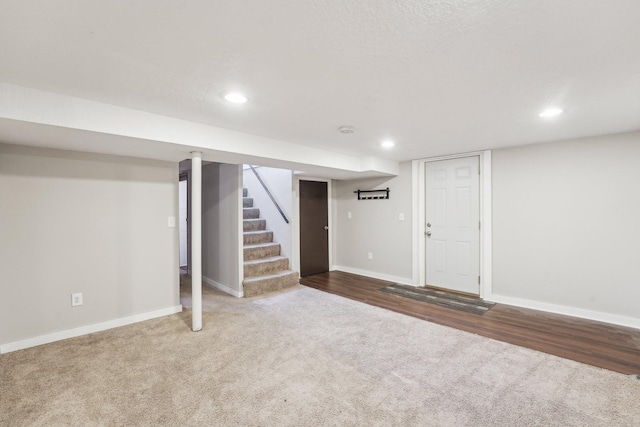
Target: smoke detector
{"points": [[346, 129]]}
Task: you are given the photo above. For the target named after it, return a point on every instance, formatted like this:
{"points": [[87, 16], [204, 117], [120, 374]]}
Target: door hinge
{"points": [[478, 280], [479, 225]]}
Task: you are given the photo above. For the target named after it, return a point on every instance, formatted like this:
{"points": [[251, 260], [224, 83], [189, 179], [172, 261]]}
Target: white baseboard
{"points": [[212, 283], [373, 274], [89, 329], [567, 311]]}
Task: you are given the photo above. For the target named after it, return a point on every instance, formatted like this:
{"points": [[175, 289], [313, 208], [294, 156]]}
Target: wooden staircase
{"points": [[265, 270]]}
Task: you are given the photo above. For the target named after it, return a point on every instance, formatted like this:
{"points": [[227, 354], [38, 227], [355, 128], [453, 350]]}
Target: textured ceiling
{"points": [[438, 77]]}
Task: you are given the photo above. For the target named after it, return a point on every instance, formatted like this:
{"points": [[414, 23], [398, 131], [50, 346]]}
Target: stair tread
{"points": [[261, 245], [266, 259], [257, 231], [273, 275]]}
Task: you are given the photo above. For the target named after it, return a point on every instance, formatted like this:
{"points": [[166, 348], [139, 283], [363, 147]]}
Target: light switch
{"points": [[171, 222], [349, 215], [401, 217], [76, 299]]}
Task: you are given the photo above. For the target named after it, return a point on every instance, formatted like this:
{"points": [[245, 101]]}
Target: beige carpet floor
{"points": [[304, 358]]}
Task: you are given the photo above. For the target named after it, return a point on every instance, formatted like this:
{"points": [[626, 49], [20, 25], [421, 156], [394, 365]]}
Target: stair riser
{"points": [[247, 202], [254, 225], [264, 237], [264, 252], [245, 192], [267, 267], [250, 213], [258, 287]]}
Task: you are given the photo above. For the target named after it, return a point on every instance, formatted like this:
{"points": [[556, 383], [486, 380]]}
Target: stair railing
{"points": [[269, 194]]}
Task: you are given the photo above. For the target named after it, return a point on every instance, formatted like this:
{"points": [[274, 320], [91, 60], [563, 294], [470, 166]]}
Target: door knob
{"points": [[428, 233], [326, 228], [428, 224]]}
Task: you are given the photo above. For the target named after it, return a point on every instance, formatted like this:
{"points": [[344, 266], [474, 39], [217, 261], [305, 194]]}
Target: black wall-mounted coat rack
{"points": [[373, 194]]}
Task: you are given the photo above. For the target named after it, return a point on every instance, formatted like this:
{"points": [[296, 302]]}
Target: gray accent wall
{"points": [[76, 222], [566, 226], [222, 224], [375, 226], [566, 223]]}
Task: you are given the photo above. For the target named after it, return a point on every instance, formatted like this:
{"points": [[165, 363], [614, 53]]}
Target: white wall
{"points": [[279, 182], [566, 224], [374, 227], [222, 227], [76, 222]]}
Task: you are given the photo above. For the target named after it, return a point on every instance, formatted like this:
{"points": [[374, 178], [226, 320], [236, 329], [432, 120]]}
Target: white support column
{"points": [[196, 240]]}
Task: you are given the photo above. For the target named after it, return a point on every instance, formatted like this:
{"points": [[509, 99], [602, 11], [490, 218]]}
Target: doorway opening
{"points": [[184, 232], [183, 203]]}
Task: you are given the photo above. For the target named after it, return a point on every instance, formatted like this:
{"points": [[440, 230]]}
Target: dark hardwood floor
{"points": [[599, 344]]}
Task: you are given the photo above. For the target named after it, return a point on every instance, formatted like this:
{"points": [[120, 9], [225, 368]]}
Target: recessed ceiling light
{"points": [[346, 129], [236, 98], [551, 112], [387, 144]]}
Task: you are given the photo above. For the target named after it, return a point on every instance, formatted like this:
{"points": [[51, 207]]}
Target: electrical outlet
{"points": [[171, 221], [349, 215], [370, 255], [76, 299]]}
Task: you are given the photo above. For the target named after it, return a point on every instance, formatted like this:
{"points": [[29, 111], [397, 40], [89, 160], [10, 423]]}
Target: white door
{"points": [[452, 225]]}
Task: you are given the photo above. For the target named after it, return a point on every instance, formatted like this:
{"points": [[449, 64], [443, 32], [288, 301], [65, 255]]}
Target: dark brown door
{"points": [[314, 226]]}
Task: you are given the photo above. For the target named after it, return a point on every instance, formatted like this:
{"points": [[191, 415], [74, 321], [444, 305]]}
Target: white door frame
{"points": [[418, 226], [295, 231]]}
